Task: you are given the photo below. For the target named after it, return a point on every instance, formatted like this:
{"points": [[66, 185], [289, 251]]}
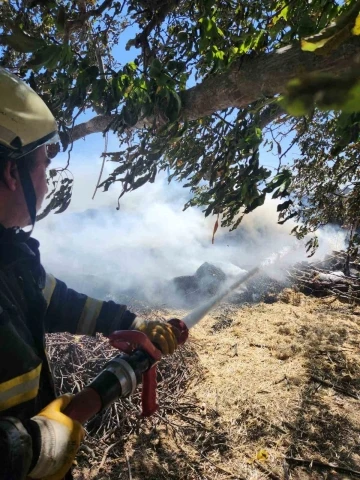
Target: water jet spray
{"points": [[199, 312]]}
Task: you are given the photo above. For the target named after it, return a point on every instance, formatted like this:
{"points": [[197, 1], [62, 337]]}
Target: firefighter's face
{"points": [[38, 175], [13, 208]]}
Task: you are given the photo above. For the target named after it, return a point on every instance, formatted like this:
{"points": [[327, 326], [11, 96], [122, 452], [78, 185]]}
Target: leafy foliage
{"points": [[325, 189], [328, 92], [68, 51], [344, 26], [60, 193]]}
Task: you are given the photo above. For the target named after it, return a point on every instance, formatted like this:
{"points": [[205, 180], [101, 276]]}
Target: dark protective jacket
{"points": [[33, 303]]}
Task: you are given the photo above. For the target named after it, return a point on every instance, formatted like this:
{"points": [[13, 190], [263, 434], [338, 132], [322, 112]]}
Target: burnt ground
{"points": [[260, 391]]}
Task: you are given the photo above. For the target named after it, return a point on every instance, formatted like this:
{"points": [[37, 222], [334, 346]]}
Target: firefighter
{"points": [[36, 439]]}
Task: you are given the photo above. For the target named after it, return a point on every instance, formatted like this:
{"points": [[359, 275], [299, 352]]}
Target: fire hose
{"points": [[123, 374], [137, 364]]}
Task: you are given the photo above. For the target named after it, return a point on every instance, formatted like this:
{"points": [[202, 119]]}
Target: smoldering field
{"points": [[206, 427], [136, 251]]}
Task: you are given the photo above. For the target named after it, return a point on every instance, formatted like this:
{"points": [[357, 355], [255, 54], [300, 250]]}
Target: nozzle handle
{"points": [[149, 383]]}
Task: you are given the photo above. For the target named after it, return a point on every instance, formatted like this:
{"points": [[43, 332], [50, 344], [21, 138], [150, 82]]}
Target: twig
{"points": [[335, 350], [103, 460], [278, 428], [102, 165], [281, 380], [330, 385], [128, 465], [258, 345], [286, 470], [316, 463]]}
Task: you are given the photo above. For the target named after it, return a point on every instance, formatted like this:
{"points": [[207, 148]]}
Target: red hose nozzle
{"points": [[180, 330]]}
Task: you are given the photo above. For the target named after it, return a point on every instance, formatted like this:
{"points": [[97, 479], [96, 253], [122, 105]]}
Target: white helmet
{"points": [[26, 122]]}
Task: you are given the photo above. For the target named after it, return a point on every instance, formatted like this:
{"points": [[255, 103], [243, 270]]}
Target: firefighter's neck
{"points": [[13, 209]]}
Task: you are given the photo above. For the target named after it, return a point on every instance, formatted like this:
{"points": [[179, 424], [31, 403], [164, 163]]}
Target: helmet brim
{"points": [[18, 153]]}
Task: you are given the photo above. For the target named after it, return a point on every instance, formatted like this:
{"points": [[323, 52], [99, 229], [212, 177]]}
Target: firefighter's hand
{"points": [[160, 333], [60, 438]]}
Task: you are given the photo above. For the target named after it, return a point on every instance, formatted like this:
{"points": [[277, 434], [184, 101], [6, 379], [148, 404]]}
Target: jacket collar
{"points": [[15, 239]]}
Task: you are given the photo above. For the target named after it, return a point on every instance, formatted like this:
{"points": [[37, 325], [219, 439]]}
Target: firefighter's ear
{"points": [[11, 176]]}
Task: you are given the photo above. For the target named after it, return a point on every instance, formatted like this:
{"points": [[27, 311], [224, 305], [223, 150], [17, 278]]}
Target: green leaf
{"points": [[47, 57], [22, 42], [356, 28], [130, 116], [289, 217], [331, 37], [176, 65], [132, 66], [182, 37], [283, 14], [284, 205], [352, 100], [256, 203], [328, 92]]}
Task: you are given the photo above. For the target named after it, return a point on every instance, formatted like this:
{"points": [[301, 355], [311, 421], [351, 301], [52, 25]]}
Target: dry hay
{"points": [[285, 380]]}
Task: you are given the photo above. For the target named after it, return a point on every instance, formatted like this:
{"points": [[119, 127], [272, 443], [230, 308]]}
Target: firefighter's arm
{"points": [[76, 313], [43, 447], [15, 449], [73, 312]]}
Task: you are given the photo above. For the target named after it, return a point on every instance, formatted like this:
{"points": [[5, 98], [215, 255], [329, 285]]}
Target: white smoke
{"points": [[99, 250]]}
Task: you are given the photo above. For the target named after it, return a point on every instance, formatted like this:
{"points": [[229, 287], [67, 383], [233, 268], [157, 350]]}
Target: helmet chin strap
{"points": [[29, 191]]}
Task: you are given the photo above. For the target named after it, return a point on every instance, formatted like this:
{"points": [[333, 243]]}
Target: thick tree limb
{"points": [[247, 81], [95, 125], [261, 76], [269, 114]]}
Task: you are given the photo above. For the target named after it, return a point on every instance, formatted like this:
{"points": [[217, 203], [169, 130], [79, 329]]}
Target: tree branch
{"points": [[269, 114], [248, 80], [95, 125], [264, 75], [159, 17], [96, 12], [78, 23], [141, 40]]}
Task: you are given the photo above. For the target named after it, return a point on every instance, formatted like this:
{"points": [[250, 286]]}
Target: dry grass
{"points": [[281, 378], [290, 296]]}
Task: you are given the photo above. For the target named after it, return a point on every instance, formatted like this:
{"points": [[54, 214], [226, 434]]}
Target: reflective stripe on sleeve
{"points": [[49, 287], [89, 315], [19, 389]]}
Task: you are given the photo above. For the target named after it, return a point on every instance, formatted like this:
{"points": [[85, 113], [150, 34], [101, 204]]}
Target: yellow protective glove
{"points": [[160, 333], [60, 440]]}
